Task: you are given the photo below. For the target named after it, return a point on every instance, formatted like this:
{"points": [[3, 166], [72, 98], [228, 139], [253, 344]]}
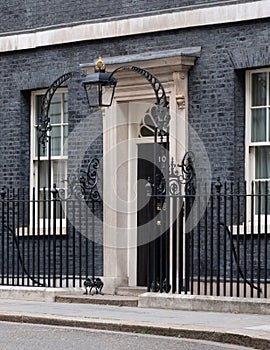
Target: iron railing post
{"points": [[218, 186]]}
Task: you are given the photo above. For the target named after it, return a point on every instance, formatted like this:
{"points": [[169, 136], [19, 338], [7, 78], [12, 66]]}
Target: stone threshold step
{"points": [[114, 300], [130, 291]]}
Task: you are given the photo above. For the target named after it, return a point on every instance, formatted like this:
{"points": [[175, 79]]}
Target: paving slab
{"points": [[240, 329]]}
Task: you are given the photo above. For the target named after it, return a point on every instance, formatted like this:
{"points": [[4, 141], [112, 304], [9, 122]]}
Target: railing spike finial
{"points": [[54, 191], [3, 193], [218, 185]]}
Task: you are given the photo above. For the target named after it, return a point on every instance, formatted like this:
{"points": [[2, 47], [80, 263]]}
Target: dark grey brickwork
{"points": [[29, 14], [216, 83], [216, 94]]}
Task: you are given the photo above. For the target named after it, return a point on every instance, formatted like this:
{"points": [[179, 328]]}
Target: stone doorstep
{"points": [[114, 300], [124, 296], [130, 291]]}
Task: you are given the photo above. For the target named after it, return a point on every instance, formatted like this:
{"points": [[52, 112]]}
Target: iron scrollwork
{"points": [[88, 180], [176, 179], [188, 172], [165, 287], [184, 177], [93, 283], [83, 185]]}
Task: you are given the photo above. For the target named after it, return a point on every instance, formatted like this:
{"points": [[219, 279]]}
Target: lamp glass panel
{"points": [[107, 94], [92, 91]]}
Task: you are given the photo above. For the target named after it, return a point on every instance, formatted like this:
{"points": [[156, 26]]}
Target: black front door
{"points": [[145, 171], [147, 211]]}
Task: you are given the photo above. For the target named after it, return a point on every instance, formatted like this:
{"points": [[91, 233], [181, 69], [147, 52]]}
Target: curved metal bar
{"points": [[44, 120], [237, 260], [187, 167], [89, 179], [152, 80], [184, 177], [83, 185]]}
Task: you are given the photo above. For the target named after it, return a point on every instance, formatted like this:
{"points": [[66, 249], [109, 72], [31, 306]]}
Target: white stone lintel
{"points": [[134, 25]]}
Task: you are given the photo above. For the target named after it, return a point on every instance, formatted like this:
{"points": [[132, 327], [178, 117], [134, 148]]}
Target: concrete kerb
{"points": [[244, 337], [139, 327], [204, 303]]}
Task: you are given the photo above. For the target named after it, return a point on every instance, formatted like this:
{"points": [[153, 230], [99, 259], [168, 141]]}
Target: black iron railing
{"points": [[214, 242], [49, 240]]}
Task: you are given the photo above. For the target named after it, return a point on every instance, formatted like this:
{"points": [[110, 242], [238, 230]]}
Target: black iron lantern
{"points": [[99, 86]]}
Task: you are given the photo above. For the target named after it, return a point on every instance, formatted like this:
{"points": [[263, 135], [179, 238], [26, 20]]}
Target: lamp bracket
{"points": [[153, 81], [44, 120]]}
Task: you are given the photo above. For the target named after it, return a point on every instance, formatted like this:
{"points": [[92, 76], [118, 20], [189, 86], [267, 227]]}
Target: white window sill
{"points": [[249, 229], [30, 231]]}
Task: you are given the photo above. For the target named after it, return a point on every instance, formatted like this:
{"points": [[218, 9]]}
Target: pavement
{"points": [[250, 330]]}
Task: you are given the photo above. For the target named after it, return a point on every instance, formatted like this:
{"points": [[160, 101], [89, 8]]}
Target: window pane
{"points": [[65, 108], [43, 151], [38, 100], [59, 178], [268, 125], [258, 131], [43, 174], [262, 162], [262, 198], [59, 172], [56, 141], [146, 131], [268, 88], [258, 89], [65, 150], [55, 109]]}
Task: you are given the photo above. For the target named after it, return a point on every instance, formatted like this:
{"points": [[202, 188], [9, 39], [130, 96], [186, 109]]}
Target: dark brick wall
{"points": [[29, 14], [216, 91]]}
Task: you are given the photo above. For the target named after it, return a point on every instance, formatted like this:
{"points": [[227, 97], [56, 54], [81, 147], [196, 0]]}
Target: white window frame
{"points": [[33, 165], [250, 146]]}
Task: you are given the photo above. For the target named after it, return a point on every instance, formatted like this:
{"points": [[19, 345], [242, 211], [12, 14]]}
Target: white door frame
{"points": [[120, 138]]}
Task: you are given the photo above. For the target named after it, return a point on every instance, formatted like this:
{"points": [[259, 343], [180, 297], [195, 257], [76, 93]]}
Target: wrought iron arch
{"points": [[153, 81], [44, 120], [161, 99]]}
